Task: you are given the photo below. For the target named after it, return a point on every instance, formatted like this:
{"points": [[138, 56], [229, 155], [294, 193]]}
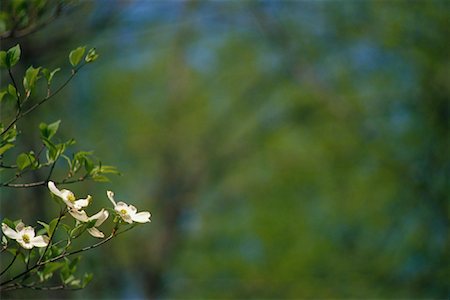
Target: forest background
{"points": [[286, 149]]}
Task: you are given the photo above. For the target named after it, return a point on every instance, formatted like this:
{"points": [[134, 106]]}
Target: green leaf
{"points": [[9, 222], [13, 251], [17, 222], [52, 267], [52, 151], [48, 131], [2, 58], [69, 279], [5, 148], [31, 76], [73, 264], [49, 269], [75, 283], [12, 90], [78, 230], [69, 161], [52, 226], [82, 158], [10, 135], [23, 161], [100, 178], [66, 227], [52, 74], [76, 55], [88, 165], [86, 279], [49, 75], [91, 56], [45, 225], [2, 94], [12, 56]]}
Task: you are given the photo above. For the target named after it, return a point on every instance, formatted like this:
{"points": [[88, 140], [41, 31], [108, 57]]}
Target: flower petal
{"points": [[97, 215], [25, 245], [82, 202], [120, 206], [52, 187], [111, 197], [142, 217], [101, 216], [19, 227], [65, 195], [28, 231], [95, 232], [79, 215], [9, 232], [40, 241], [132, 209], [127, 218]]}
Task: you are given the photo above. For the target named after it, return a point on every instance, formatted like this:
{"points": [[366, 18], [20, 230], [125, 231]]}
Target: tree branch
{"points": [[20, 115], [13, 33], [113, 234]]}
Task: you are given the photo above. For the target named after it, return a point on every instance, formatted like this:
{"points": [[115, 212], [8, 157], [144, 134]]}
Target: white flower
{"points": [[101, 216], [79, 215], [128, 212], [69, 198], [25, 236]]}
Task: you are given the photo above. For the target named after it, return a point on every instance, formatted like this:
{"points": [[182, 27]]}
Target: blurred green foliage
{"points": [[286, 149]]}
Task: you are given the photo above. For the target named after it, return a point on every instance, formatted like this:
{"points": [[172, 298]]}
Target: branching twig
{"points": [[20, 114], [13, 33], [113, 234]]}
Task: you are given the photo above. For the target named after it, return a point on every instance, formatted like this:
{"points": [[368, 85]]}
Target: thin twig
{"points": [[41, 183], [17, 90], [29, 257], [13, 33], [113, 234], [10, 264], [32, 286], [61, 214], [23, 114]]}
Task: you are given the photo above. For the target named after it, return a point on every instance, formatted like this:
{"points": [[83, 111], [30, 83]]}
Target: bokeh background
{"points": [[286, 149]]}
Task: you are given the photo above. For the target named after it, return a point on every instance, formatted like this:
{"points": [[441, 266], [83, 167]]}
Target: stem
{"points": [[32, 286], [61, 214], [20, 114], [39, 183], [10, 264], [29, 257], [17, 91], [113, 234], [13, 33], [51, 171]]}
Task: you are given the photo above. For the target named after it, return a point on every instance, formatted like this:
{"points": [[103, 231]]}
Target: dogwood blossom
{"points": [[68, 197], [101, 216], [25, 236], [128, 212]]}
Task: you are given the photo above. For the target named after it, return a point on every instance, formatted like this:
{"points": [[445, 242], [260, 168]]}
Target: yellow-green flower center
{"points": [[71, 197], [123, 212], [26, 238]]}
